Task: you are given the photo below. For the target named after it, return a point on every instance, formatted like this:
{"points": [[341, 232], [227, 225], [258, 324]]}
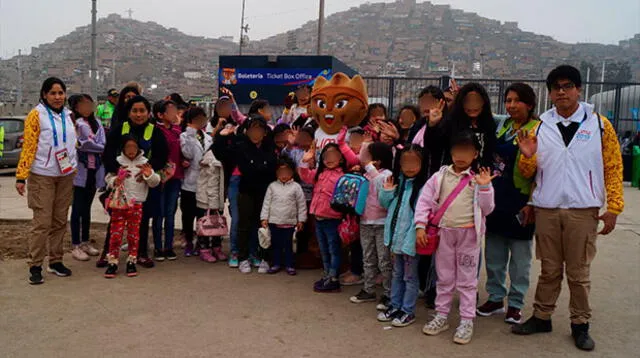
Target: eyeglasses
{"points": [[567, 86]]}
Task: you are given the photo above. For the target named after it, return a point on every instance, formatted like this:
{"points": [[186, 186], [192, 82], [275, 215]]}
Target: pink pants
{"points": [[457, 268]]}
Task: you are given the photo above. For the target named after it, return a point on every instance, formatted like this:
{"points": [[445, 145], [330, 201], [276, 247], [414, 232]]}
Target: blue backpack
{"points": [[350, 194]]}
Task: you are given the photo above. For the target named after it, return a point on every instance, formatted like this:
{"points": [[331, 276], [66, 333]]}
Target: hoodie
{"points": [[134, 190]]}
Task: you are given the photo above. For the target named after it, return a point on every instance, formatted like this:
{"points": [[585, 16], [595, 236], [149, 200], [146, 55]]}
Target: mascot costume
{"points": [[335, 103]]}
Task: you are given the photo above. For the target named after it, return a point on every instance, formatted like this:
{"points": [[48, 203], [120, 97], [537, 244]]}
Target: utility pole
{"points": [[320, 26], [242, 29], [19, 96], [601, 87], [94, 69]]}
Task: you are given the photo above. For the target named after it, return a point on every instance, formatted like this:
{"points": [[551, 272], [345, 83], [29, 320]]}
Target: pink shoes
{"points": [[206, 256], [217, 252]]}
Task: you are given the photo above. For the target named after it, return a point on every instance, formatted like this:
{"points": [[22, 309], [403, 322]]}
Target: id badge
{"points": [[64, 162]]}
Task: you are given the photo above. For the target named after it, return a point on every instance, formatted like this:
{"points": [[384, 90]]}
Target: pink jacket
{"points": [[322, 190], [428, 203], [373, 210]]}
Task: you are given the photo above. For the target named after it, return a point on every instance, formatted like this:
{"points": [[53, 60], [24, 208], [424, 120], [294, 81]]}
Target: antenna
{"points": [[130, 12]]}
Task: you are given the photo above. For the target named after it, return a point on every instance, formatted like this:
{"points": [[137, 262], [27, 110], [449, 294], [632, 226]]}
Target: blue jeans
{"points": [[282, 243], [234, 187], [330, 245], [500, 251], [405, 283], [168, 205]]}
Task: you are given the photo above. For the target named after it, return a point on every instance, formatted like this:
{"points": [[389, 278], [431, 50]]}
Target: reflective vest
{"points": [[145, 142], [1, 140]]}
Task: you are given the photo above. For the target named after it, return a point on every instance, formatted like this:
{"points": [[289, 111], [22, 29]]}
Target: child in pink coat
{"points": [[461, 231]]}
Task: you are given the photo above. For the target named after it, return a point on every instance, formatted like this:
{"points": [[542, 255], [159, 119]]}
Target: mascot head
{"points": [[339, 102]]}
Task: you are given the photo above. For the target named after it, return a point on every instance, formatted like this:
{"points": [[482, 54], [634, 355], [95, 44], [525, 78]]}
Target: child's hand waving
{"points": [[484, 177], [310, 154], [389, 184]]}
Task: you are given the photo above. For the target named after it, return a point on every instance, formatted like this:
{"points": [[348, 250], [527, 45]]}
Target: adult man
{"points": [[578, 161], [105, 111]]}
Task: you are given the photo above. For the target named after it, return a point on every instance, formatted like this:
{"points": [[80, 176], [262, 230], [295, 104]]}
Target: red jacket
{"points": [[172, 135], [322, 190]]}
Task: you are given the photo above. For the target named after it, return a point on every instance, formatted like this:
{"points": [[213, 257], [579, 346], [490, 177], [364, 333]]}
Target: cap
{"points": [[113, 93]]}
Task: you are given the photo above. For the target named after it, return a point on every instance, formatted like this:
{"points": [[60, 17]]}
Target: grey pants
{"points": [[376, 258]]}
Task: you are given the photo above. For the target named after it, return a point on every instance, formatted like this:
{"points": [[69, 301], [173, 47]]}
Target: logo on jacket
{"points": [[583, 135]]}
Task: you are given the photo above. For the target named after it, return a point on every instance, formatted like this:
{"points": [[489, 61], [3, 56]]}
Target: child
{"points": [[356, 138], [301, 105], [461, 232], [400, 234], [283, 211], [138, 176], [210, 197], [377, 159], [332, 166], [281, 136], [375, 113], [194, 142]]}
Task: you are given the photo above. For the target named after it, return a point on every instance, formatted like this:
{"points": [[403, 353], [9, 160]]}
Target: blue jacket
{"points": [[403, 238]]}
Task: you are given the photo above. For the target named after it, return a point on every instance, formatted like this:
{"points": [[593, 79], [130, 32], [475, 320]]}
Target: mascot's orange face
{"points": [[339, 102]]}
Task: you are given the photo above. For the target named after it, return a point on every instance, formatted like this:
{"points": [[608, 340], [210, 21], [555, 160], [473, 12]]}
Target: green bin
{"points": [[635, 177]]}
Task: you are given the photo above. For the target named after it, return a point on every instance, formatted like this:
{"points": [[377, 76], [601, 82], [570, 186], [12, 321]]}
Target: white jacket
{"points": [[193, 151], [133, 189], [210, 187], [284, 204], [45, 162]]}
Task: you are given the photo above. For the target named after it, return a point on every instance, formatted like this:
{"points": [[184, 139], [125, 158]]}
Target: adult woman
{"points": [[153, 143], [120, 113], [508, 231], [47, 165], [91, 141]]}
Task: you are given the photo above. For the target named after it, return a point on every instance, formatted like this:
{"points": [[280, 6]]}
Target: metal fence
{"points": [[620, 102]]}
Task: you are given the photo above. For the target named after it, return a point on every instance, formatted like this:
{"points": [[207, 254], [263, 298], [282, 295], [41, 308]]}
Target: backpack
{"points": [[350, 194]]}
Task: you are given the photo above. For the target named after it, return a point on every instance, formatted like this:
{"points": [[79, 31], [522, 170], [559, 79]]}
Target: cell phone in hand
{"points": [[520, 218]]}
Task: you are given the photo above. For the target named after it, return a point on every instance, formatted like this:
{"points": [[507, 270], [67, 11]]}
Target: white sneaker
{"points": [[437, 325], [264, 267], [464, 332], [124, 247], [245, 266], [79, 254], [92, 251]]}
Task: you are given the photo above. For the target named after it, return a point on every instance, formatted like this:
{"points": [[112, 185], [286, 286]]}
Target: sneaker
{"points": [[389, 315], [263, 267], [59, 269], [158, 255], [124, 247], [233, 261], [403, 319], [146, 262], [291, 271], [319, 283], [464, 332], [513, 316], [111, 272], [436, 326], [170, 255], [329, 285], [274, 270], [131, 269], [79, 254], [490, 308], [384, 303], [90, 250], [35, 275], [205, 255], [351, 280], [217, 252], [245, 266], [363, 296], [531, 326], [102, 262], [255, 262], [580, 334], [188, 250]]}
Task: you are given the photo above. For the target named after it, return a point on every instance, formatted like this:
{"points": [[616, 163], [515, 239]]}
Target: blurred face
{"points": [[384, 138], [304, 140], [377, 114], [266, 113], [410, 164], [128, 96], [179, 116], [199, 122], [449, 98], [427, 103], [170, 115], [224, 109], [284, 173], [55, 97], [407, 119], [85, 108], [565, 95], [355, 141], [130, 150], [331, 158], [256, 134], [303, 95], [113, 99], [282, 139], [463, 156], [517, 109], [473, 104], [139, 114]]}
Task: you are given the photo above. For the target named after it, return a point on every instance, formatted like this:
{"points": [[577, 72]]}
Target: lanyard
{"points": [[53, 127]]}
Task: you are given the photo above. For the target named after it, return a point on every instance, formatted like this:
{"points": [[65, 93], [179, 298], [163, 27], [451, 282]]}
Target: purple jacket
{"points": [[90, 145]]}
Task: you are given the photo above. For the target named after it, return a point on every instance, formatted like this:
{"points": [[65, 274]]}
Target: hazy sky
{"points": [[26, 23]]}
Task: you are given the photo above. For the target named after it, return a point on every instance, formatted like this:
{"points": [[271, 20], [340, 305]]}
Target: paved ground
{"points": [[191, 309]]}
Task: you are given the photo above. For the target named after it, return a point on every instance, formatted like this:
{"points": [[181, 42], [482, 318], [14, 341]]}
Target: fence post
{"points": [[616, 106], [501, 108], [392, 89]]}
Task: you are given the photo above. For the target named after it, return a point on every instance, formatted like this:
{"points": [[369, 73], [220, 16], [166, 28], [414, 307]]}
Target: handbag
{"points": [[433, 229], [212, 225], [118, 199]]}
